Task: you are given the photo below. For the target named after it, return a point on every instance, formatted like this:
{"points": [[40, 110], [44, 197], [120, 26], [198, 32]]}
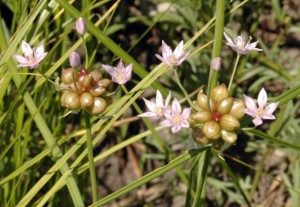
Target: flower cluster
{"points": [[171, 116], [84, 90], [217, 117]]}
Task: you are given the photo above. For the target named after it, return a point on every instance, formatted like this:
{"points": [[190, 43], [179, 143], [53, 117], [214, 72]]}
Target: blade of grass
{"points": [[270, 138], [201, 179], [42, 126], [150, 176], [232, 175]]}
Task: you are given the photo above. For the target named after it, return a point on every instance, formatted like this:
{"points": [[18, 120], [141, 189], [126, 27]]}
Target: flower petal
{"points": [[175, 129], [166, 123], [20, 59], [270, 108], [262, 98], [148, 114], [27, 50], [108, 69], [168, 99], [150, 105], [185, 124], [39, 52], [186, 113], [176, 108], [250, 103], [228, 39], [178, 50], [166, 50], [257, 121]]}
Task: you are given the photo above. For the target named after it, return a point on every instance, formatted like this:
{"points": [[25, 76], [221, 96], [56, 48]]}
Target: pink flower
{"points": [[80, 26], [74, 59], [171, 58], [259, 109], [32, 56], [175, 118], [119, 74], [241, 45], [157, 107]]}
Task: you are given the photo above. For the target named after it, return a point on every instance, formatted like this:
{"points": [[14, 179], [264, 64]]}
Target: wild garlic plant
{"points": [[106, 98]]}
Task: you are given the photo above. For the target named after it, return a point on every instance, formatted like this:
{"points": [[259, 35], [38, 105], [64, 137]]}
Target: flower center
{"points": [[216, 116], [159, 111], [176, 119], [260, 112], [120, 76], [172, 59]]}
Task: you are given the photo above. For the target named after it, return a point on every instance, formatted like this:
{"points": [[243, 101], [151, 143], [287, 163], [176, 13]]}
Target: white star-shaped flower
{"points": [[119, 74], [241, 45], [157, 107], [172, 58], [259, 109], [32, 56], [175, 118]]}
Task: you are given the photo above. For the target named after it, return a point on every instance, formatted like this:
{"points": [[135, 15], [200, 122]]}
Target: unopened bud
{"points": [[202, 100], [216, 64], [219, 93], [201, 117], [97, 91], [104, 82], [69, 75], [80, 26], [229, 122], [229, 137], [96, 75], [74, 59], [238, 108], [71, 100], [225, 105], [99, 105], [86, 100], [87, 82], [211, 130]]}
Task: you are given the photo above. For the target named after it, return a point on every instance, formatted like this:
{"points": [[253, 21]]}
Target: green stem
{"points": [[86, 53], [91, 156], [234, 70], [184, 91], [217, 47]]}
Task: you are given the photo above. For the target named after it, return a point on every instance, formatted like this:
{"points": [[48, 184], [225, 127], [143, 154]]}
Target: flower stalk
{"points": [[89, 144], [234, 70], [217, 47]]}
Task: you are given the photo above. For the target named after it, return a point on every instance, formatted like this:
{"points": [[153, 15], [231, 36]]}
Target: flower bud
{"points": [[219, 93], [225, 106], [87, 82], [69, 75], [228, 122], [96, 75], [99, 105], [238, 109], [86, 100], [216, 64], [80, 26], [104, 82], [201, 117], [202, 100], [97, 91], [62, 98], [71, 100], [74, 60], [229, 137], [211, 130]]}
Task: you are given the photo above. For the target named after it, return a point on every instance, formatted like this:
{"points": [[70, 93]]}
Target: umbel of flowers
{"points": [[219, 119], [84, 90]]}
